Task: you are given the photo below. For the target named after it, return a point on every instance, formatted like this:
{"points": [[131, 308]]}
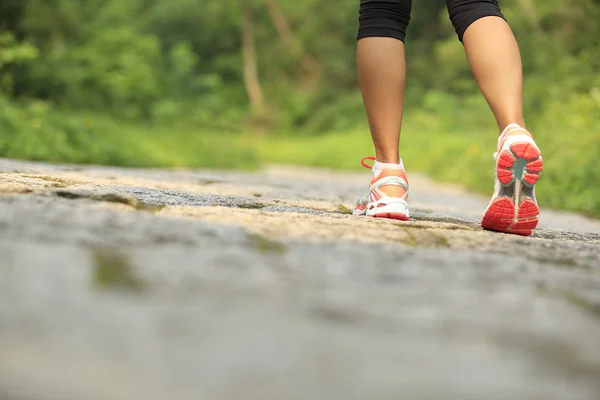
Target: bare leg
{"points": [[495, 60], [382, 76]]}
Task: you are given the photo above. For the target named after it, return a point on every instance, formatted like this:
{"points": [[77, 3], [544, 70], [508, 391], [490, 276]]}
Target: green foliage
{"points": [[115, 71], [37, 131], [13, 54]]}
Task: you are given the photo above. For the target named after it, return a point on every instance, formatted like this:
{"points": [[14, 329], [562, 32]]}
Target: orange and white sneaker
{"points": [[513, 208], [387, 195]]}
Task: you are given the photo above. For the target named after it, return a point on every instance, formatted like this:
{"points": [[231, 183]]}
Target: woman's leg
{"points": [[382, 71], [495, 60], [493, 55], [382, 74]]}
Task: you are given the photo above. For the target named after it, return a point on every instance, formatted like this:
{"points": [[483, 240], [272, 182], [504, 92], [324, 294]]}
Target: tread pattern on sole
{"points": [[533, 163], [525, 150], [506, 162], [500, 214], [532, 171]]}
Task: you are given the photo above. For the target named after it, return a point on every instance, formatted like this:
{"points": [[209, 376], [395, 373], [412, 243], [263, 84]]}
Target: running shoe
{"points": [[387, 195], [513, 208]]}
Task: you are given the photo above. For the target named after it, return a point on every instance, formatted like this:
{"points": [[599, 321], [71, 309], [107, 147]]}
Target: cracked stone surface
{"points": [[152, 284]]}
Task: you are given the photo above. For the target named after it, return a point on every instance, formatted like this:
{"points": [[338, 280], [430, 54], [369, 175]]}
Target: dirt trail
{"points": [[151, 284]]}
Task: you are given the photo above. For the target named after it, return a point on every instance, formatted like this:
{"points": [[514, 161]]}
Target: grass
{"points": [[40, 133]]}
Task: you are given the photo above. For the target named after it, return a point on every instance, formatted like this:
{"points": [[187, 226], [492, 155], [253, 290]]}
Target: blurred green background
{"points": [[241, 83]]}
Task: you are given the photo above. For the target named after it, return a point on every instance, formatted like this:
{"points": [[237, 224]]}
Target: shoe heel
{"points": [[393, 209], [527, 218], [515, 210], [500, 217]]}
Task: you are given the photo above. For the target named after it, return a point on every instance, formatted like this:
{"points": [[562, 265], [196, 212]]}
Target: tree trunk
{"points": [[311, 69], [251, 80]]}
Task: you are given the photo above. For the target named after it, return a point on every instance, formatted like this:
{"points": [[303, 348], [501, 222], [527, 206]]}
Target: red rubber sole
{"points": [[522, 163], [533, 163], [392, 215], [500, 216]]}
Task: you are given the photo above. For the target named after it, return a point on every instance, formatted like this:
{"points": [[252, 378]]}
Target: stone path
{"points": [[149, 284]]}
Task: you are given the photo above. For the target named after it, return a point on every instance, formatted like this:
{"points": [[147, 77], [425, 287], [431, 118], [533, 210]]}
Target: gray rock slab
{"points": [[262, 296]]}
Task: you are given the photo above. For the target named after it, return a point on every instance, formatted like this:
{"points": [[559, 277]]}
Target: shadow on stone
{"points": [[423, 237], [570, 298], [209, 181], [334, 314], [110, 197], [435, 217]]}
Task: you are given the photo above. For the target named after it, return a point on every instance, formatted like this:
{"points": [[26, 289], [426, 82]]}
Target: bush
{"points": [[36, 131]]}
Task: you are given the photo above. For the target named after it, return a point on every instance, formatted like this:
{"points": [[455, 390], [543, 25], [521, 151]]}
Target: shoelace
{"points": [[364, 198], [370, 158]]}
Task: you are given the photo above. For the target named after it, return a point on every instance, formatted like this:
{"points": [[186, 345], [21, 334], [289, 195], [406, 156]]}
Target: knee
{"points": [[384, 18], [464, 12]]}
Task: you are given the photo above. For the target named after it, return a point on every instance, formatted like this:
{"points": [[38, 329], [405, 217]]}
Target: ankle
{"points": [[387, 155], [389, 160], [513, 129], [378, 167], [505, 123]]}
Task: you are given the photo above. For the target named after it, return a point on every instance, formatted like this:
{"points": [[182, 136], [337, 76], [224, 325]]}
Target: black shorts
{"points": [[390, 18]]}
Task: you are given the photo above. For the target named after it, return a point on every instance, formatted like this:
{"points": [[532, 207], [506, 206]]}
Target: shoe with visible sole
{"points": [[513, 208], [387, 195]]}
